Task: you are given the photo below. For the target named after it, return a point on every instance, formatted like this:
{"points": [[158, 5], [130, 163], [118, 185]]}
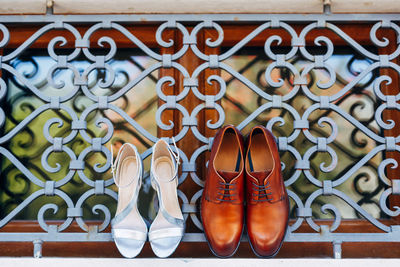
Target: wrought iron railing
{"points": [[324, 97]]}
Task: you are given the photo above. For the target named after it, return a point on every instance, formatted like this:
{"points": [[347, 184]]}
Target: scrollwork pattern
{"points": [[73, 123]]}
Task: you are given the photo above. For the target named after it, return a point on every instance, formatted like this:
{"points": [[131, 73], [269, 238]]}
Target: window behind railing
{"points": [[141, 104], [326, 99]]}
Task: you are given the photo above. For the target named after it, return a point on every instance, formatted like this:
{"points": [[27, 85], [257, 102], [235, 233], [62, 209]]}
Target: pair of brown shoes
{"points": [[234, 171]]}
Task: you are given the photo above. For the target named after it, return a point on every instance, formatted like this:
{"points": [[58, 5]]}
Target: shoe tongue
{"points": [[228, 175], [260, 175]]}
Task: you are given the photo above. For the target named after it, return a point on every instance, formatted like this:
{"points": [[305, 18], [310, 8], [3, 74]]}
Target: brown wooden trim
{"points": [[347, 226], [146, 33], [168, 115], [391, 89], [193, 250], [234, 33], [207, 89], [190, 143]]}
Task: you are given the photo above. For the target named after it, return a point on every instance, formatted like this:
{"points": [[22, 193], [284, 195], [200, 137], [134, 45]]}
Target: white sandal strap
{"points": [[129, 234], [171, 219], [125, 212], [114, 164], [164, 233], [177, 156], [133, 202], [177, 222]]}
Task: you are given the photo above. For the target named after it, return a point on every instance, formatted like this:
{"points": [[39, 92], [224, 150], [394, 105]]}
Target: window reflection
{"points": [[350, 145], [140, 103]]}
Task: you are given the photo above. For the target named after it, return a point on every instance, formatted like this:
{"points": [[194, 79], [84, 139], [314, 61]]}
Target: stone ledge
{"points": [[23, 7], [188, 262], [186, 6], [19, 7], [365, 6]]}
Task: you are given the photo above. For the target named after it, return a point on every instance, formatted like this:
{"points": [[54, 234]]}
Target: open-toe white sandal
{"points": [[168, 227], [128, 227]]}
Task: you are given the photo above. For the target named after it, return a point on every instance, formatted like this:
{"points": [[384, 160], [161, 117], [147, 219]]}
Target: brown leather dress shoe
{"points": [[267, 200], [222, 203]]}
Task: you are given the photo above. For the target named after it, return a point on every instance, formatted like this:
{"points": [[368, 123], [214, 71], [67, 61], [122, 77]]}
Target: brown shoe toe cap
{"points": [[225, 242], [223, 226], [266, 245]]}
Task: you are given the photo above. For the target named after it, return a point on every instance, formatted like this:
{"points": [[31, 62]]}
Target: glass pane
{"points": [[139, 103], [350, 144]]}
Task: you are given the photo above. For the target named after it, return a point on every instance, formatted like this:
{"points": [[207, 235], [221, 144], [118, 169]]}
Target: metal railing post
{"points": [[337, 249], [37, 248]]}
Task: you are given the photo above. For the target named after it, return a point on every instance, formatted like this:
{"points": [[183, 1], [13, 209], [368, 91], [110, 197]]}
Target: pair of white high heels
{"points": [[128, 228]]}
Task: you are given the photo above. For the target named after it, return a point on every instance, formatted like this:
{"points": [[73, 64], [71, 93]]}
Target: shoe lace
{"points": [[229, 191], [262, 194]]}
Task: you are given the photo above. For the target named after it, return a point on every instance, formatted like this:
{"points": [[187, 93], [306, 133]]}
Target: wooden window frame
{"points": [[233, 34]]}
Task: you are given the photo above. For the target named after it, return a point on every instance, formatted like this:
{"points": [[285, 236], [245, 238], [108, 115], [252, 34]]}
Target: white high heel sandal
{"points": [[128, 227], [168, 227]]}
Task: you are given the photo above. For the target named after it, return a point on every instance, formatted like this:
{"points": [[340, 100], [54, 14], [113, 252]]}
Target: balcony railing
{"points": [[311, 153]]}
